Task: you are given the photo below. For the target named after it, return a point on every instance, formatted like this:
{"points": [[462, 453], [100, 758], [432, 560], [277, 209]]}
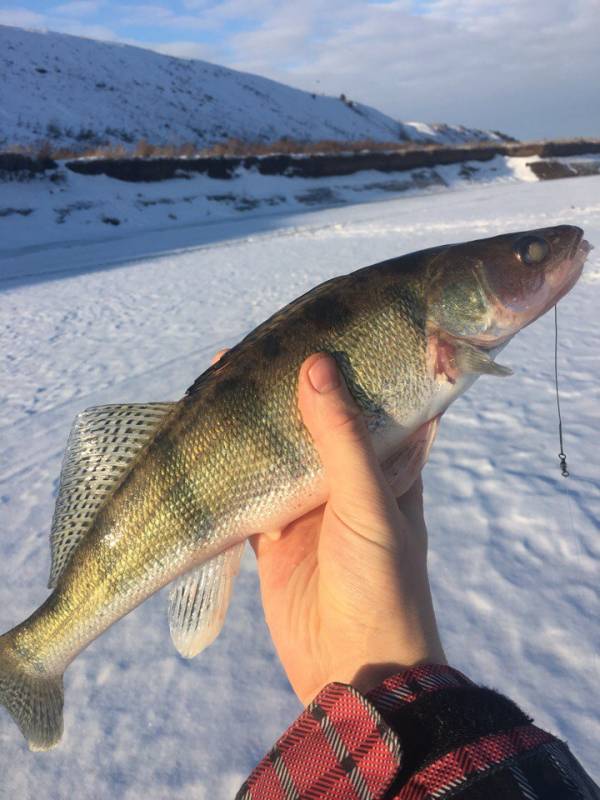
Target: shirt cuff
{"points": [[341, 745]]}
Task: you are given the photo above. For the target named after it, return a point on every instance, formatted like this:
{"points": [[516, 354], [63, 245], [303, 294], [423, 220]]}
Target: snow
{"points": [[520, 167], [63, 206], [76, 92], [514, 546], [449, 134]]}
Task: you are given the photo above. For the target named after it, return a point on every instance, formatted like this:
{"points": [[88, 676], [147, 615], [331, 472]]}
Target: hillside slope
{"points": [[78, 92]]}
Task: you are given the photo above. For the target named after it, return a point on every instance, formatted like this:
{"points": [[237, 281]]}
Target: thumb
{"points": [[357, 487]]}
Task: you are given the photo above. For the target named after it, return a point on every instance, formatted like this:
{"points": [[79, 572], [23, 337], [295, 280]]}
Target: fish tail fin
{"points": [[35, 702]]}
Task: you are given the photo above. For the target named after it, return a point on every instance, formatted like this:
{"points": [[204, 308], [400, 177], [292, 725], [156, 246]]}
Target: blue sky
{"points": [[527, 67]]}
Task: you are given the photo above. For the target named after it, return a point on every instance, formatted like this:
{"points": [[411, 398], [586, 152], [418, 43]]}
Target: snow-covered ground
{"points": [[76, 92], [514, 546], [62, 206]]}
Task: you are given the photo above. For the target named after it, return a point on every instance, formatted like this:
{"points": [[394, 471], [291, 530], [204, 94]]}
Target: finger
{"points": [[260, 541], [411, 502], [255, 542], [340, 435], [273, 535], [410, 505], [406, 463], [297, 543]]}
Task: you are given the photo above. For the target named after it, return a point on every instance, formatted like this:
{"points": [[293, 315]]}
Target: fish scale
{"points": [[167, 492]]}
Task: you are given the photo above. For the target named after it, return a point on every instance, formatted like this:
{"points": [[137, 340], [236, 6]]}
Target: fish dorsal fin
{"points": [[199, 600], [103, 444]]}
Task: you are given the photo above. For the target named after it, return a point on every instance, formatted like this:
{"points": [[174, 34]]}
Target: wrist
{"points": [[370, 676], [366, 668]]}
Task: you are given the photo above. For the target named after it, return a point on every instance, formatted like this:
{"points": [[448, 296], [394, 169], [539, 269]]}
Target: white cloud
{"points": [[24, 18], [526, 67], [77, 28], [236, 9], [190, 49], [145, 15], [21, 18], [79, 8]]}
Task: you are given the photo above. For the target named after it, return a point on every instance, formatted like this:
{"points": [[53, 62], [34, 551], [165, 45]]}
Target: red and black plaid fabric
{"points": [[426, 734]]}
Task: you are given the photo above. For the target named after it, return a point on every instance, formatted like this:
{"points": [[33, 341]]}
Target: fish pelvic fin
{"points": [[199, 600], [35, 701]]}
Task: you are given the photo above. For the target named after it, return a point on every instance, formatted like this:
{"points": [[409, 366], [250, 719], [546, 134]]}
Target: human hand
{"points": [[345, 588]]}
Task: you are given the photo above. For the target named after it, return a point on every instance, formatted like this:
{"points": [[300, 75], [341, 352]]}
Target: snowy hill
{"points": [[78, 92]]}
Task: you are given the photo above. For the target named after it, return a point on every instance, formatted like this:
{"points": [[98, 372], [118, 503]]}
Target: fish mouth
{"points": [[583, 249], [580, 250], [576, 242]]}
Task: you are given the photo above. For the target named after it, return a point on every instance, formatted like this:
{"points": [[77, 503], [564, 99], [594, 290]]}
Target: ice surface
{"points": [[514, 547], [63, 207]]}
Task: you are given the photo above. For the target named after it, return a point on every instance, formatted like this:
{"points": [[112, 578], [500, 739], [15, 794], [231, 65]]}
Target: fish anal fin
{"points": [[199, 600], [103, 444]]}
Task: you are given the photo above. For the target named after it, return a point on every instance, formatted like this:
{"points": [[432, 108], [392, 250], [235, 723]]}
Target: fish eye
{"points": [[532, 250]]}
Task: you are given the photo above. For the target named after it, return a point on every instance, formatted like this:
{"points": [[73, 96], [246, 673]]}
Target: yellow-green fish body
{"points": [[157, 491]]}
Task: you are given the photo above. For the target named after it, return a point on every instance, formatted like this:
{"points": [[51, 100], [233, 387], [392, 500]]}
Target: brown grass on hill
{"points": [[111, 151], [233, 148], [228, 148], [239, 147]]}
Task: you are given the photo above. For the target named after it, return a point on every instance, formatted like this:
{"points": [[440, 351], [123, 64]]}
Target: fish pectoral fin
{"points": [[103, 444], [199, 600], [469, 358]]}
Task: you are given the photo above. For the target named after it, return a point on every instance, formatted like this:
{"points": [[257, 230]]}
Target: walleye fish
{"points": [[163, 492]]}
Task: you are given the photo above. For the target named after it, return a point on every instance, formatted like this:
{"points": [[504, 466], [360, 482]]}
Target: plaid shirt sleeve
{"points": [[425, 734]]}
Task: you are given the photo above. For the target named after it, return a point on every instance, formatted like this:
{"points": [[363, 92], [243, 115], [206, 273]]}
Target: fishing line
{"points": [[562, 455]]}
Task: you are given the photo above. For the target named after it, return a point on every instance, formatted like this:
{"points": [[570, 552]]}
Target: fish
{"points": [[167, 493]]}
